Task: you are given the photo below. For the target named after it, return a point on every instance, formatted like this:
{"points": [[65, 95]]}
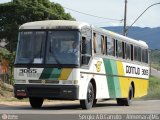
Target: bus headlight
{"points": [[20, 81], [75, 82], [65, 82]]}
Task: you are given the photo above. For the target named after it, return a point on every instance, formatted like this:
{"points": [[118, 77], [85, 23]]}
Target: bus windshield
{"points": [[30, 47], [62, 47]]}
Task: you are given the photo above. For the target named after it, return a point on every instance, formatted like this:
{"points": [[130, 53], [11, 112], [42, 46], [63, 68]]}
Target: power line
{"points": [[93, 15], [141, 15], [107, 22]]}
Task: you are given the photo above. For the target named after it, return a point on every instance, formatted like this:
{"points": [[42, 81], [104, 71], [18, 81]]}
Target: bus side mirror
{"points": [[83, 45]]}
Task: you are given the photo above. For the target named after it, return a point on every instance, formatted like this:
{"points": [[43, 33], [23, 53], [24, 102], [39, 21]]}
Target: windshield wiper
{"points": [[38, 56], [55, 57], [41, 50]]}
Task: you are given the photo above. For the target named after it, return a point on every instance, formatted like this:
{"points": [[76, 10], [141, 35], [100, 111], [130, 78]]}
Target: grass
{"points": [[4, 91], [156, 66], [154, 89], [6, 94], [11, 99]]}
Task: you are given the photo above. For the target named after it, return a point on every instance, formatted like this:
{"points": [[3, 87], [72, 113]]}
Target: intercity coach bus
{"points": [[104, 65]]}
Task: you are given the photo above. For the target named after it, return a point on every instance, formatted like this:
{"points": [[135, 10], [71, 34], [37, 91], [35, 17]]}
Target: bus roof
{"points": [[54, 24], [121, 37], [66, 24]]}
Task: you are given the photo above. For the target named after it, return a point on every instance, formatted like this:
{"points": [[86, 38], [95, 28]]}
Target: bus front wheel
{"points": [[88, 103], [36, 102]]}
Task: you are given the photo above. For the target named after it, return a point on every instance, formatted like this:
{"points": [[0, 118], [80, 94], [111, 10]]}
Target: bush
{"points": [[154, 88]]}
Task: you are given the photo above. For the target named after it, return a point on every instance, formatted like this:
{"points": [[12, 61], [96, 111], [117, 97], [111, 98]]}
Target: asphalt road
{"points": [[69, 110], [155, 73]]}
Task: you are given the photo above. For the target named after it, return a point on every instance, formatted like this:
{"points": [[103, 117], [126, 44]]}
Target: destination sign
{"points": [[133, 70]]}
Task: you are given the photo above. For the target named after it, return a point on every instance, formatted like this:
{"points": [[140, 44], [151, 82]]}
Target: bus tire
{"points": [[88, 103], [36, 102], [120, 101], [94, 102], [126, 101]]}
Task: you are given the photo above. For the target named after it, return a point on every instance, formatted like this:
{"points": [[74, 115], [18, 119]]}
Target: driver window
{"points": [[86, 50]]}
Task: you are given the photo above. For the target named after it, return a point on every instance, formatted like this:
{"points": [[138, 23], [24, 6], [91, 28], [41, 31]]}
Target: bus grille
{"points": [[46, 81], [45, 92]]}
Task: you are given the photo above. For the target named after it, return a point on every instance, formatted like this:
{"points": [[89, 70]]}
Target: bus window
{"points": [[128, 51], [132, 56], [110, 46], [145, 55], [114, 47], [119, 49], [106, 44], [63, 44], [86, 50], [103, 45], [135, 53], [98, 46], [94, 42], [124, 49], [31, 47], [139, 54]]}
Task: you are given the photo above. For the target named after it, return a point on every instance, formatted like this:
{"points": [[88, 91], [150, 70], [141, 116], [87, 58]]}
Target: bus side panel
{"points": [[100, 78], [83, 84], [102, 87], [124, 85], [112, 78], [124, 82], [141, 87], [140, 84], [97, 73]]}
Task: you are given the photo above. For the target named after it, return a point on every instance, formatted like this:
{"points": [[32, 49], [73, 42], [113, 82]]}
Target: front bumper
{"points": [[60, 92]]}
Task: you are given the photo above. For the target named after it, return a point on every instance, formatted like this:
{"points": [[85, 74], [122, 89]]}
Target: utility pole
{"points": [[125, 17], [126, 29]]}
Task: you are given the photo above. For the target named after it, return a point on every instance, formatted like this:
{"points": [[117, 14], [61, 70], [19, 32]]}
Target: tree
{"points": [[13, 14], [6, 65]]}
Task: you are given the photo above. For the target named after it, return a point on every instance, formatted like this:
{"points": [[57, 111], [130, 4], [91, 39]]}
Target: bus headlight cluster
{"points": [[65, 82], [75, 82], [20, 81], [69, 82]]}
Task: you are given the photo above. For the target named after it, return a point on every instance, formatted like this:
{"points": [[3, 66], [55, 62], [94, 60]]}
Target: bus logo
{"points": [[98, 66]]}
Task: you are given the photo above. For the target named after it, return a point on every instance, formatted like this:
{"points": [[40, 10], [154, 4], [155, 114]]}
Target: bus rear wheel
{"points": [[88, 103], [36, 102], [126, 101], [120, 101]]}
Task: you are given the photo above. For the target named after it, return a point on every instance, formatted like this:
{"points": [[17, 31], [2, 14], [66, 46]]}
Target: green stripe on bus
{"points": [[46, 73], [117, 87], [55, 74], [50, 73], [113, 82], [108, 69], [115, 79]]}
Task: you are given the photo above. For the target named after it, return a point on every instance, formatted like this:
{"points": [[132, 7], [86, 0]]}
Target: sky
{"points": [[112, 9]]}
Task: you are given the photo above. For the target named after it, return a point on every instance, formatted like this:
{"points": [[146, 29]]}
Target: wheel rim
{"points": [[90, 95], [130, 95]]}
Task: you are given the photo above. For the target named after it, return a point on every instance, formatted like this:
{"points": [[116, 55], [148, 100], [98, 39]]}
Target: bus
{"points": [[104, 65]]}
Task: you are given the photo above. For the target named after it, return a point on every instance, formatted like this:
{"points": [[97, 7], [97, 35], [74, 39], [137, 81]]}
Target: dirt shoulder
{"points": [[6, 90], [46, 102]]}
